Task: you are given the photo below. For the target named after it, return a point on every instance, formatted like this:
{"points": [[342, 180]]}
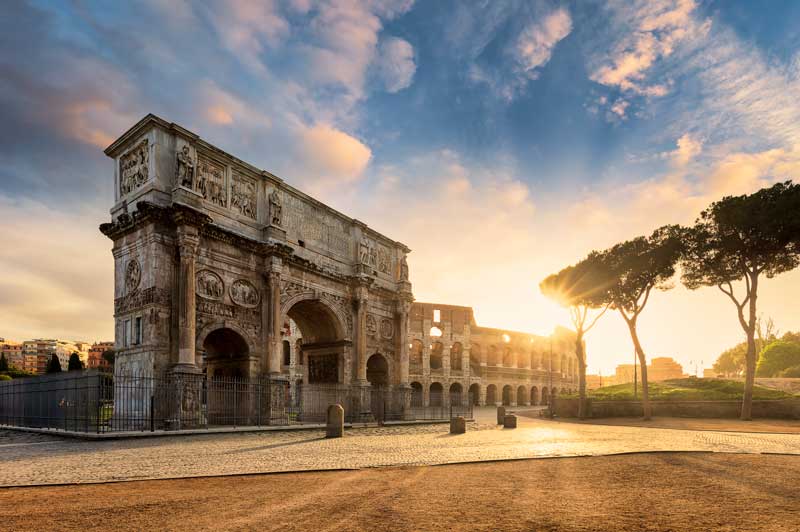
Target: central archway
{"points": [[322, 339], [377, 371]]}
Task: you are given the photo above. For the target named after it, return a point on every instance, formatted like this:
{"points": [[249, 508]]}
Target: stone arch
{"points": [[286, 353], [522, 396], [436, 394], [456, 394], [475, 393], [323, 329], [534, 396], [226, 354], [507, 391], [491, 394], [417, 394], [523, 360], [312, 306], [475, 359], [436, 355], [204, 332], [545, 396], [456, 356], [415, 353], [508, 358], [491, 359], [378, 370], [533, 362]]}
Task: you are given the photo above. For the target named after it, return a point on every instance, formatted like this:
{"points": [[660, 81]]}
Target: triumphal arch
{"points": [[218, 264]]}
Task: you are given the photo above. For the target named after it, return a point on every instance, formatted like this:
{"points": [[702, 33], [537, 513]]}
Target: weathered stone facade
{"points": [[226, 269]]}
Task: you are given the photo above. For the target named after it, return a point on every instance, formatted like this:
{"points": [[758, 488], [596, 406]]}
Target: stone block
{"points": [[335, 422], [501, 412], [510, 421], [458, 425]]}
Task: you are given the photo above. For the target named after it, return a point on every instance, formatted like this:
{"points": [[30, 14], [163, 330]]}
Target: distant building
{"points": [[663, 369], [96, 360], [659, 369], [595, 381], [37, 352], [13, 353]]}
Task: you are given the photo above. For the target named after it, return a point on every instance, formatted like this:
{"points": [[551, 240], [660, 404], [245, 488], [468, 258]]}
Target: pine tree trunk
{"points": [[637, 346], [581, 355], [750, 359]]}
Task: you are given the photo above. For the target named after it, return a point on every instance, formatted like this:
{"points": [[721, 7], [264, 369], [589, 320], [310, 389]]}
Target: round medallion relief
{"points": [[209, 285], [244, 294], [133, 276]]}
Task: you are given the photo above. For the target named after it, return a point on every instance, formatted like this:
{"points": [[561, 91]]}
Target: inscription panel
{"points": [[309, 223]]}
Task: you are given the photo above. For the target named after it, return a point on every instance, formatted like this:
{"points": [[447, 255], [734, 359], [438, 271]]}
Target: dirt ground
{"points": [[640, 492], [734, 425]]}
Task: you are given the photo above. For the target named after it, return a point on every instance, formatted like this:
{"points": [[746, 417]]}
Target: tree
{"points": [[580, 288], [75, 363], [53, 365], [731, 362], [766, 333], [635, 268], [108, 356], [778, 357], [3, 362], [741, 239]]}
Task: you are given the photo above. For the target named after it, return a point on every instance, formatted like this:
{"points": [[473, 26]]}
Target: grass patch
{"points": [[688, 389]]}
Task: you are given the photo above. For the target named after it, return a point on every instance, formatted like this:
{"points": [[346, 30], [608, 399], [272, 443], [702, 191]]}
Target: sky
{"points": [[499, 140]]}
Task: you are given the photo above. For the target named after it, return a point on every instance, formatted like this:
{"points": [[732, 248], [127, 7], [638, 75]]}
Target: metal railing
{"points": [[94, 402]]}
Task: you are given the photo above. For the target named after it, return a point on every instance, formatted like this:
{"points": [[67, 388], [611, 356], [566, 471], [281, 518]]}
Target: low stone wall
{"points": [[776, 409]]}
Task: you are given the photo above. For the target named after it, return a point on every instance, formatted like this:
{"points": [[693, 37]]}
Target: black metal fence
{"points": [[100, 403]]}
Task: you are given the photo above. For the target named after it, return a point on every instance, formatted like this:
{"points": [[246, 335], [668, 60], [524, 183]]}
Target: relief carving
{"points": [[133, 276], [184, 171], [243, 293], [134, 168], [243, 196], [383, 259], [387, 328], [221, 310], [142, 298], [211, 182], [276, 208], [372, 326], [404, 269], [209, 285]]}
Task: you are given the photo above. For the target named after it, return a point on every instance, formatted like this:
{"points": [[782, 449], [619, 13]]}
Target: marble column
{"points": [[275, 323], [404, 308], [361, 335], [188, 240]]}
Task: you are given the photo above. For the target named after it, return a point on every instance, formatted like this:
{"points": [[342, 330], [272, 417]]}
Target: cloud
{"points": [[655, 29], [536, 42], [688, 148], [395, 64], [333, 157]]}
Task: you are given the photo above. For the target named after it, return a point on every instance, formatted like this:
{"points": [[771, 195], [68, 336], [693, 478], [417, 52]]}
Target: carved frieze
{"points": [[210, 181], [134, 168], [243, 293], [291, 289], [142, 298], [222, 310], [133, 276], [243, 195], [209, 285], [383, 259]]}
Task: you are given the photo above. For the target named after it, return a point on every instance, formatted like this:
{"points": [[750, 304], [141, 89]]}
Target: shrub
{"points": [[776, 357], [793, 372], [4, 377]]}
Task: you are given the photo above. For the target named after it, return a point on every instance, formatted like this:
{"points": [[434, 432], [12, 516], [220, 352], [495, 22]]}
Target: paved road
{"points": [[36, 459]]}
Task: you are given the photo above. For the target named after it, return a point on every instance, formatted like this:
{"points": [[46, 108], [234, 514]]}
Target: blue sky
{"points": [[500, 140]]}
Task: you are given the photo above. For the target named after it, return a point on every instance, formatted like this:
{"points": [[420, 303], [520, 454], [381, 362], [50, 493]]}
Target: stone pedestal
{"points": [[501, 413], [335, 422], [510, 421], [458, 425]]}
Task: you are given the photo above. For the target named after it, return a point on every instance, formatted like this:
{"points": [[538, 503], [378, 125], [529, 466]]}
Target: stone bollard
{"points": [[335, 422], [458, 425], [510, 421], [501, 413]]}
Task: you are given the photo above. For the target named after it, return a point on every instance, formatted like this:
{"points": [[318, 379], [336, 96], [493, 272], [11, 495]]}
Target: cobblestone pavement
{"points": [[39, 459]]}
